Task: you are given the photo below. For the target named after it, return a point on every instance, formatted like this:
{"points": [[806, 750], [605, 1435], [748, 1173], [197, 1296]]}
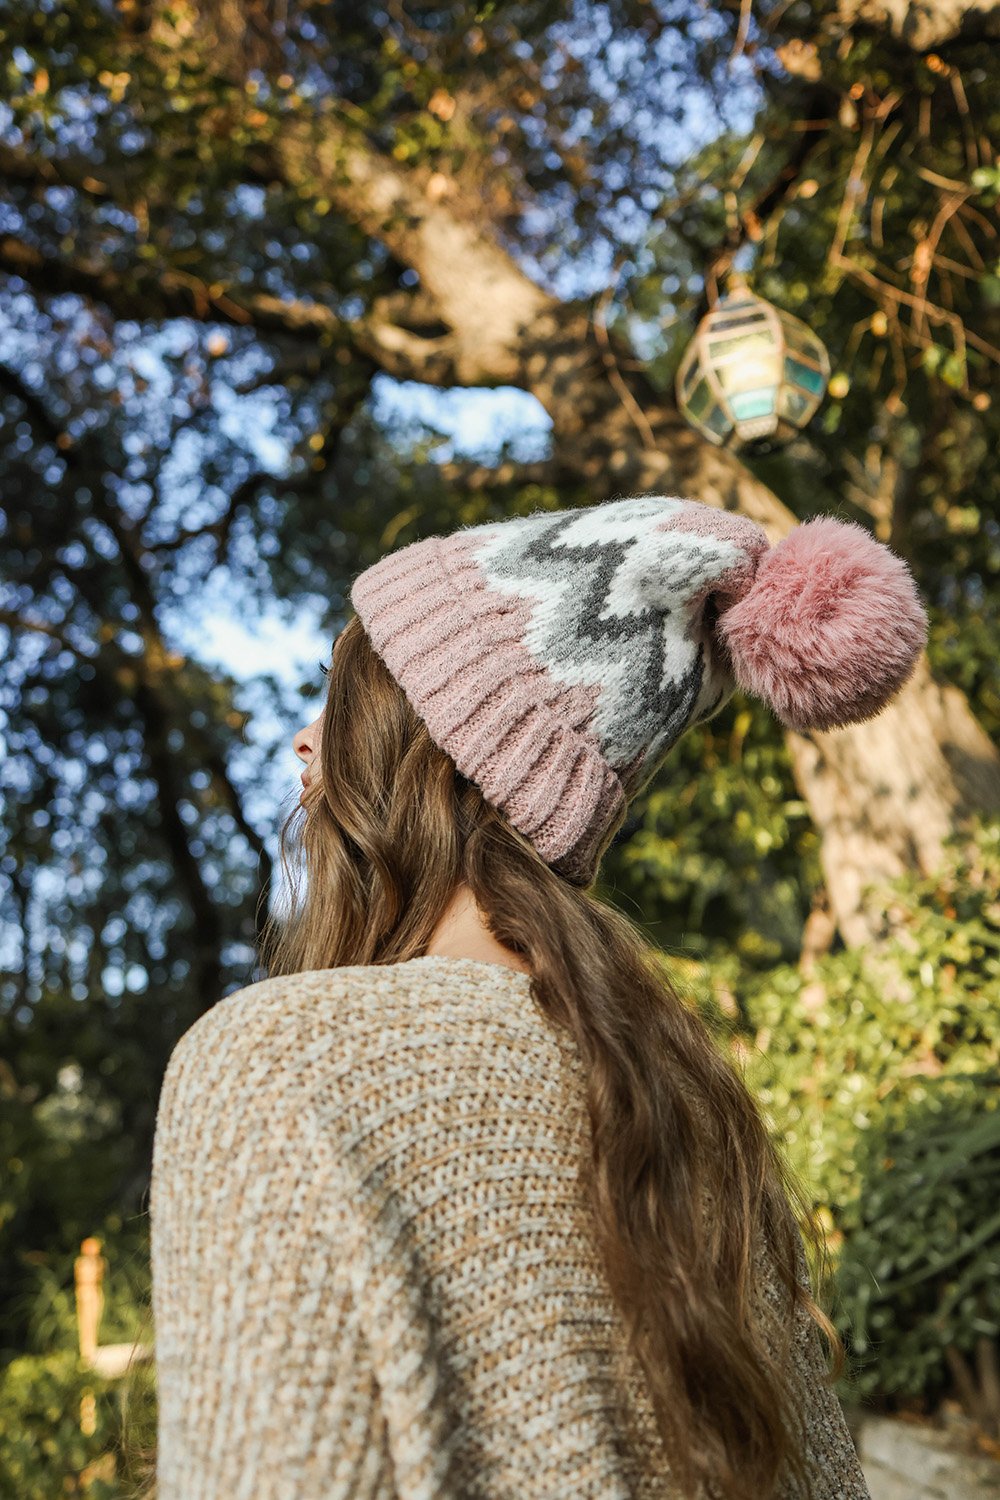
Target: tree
{"points": [[212, 208], [392, 123]]}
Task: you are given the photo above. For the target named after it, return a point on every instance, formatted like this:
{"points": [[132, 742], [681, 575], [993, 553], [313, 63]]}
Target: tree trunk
{"points": [[887, 793]]}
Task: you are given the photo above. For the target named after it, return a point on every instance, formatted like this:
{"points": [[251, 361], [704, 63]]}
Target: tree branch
{"points": [[473, 296], [168, 293], [481, 294], [748, 224], [476, 478]]}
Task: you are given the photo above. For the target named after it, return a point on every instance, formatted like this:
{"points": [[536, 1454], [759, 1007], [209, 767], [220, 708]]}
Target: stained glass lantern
{"points": [[753, 375]]}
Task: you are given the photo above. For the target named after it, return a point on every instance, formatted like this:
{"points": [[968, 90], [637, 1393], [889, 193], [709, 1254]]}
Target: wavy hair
{"points": [[391, 830]]}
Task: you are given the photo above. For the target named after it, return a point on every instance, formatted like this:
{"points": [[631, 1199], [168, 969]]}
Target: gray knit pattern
{"points": [[621, 602]]}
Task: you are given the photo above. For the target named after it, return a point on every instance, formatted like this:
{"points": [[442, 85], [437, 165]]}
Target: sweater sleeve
{"points": [[265, 1388], [831, 1456]]}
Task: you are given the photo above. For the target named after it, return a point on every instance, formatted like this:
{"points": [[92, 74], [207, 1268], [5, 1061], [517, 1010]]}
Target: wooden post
{"points": [[89, 1268]]}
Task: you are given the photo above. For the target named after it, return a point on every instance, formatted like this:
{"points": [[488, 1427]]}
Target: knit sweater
{"points": [[374, 1268]]}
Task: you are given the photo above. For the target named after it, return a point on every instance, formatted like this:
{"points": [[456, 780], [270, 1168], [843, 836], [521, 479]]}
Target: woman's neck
{"points": [[462, 932]]}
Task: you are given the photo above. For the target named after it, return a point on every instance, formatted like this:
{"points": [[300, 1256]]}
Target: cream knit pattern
{"points": [[374, 1274]]}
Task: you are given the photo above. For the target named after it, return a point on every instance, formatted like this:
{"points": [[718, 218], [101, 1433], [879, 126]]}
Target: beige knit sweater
{"points": [[373, 1272]]}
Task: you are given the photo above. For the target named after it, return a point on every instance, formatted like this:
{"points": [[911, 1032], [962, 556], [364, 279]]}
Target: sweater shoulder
{"points": [[368, 1016]]}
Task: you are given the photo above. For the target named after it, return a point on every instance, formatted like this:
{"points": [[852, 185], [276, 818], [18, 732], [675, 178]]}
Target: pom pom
{"points": [[830, 628]]}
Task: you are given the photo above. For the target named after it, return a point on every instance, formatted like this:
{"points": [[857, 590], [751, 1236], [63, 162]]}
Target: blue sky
{"points": [[477, 423]]}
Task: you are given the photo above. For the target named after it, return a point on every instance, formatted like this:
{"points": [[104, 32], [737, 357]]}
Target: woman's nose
{"points": [[307, 742], [303, 743]]}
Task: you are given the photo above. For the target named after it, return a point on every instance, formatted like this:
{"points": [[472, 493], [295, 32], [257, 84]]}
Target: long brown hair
{"points": [[691, 1199]]}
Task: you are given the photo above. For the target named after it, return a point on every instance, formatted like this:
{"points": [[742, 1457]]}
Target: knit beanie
{"points": [[557, 657]]}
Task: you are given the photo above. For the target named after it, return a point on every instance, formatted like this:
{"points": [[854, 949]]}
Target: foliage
{"points": [[922, 1235], [190, 427], [719, 854], [877, 1073], [58, 1153], [43, 1449]]}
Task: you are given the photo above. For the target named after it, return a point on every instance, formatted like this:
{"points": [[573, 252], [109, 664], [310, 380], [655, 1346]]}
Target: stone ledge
{"points": [[911, 1461]]}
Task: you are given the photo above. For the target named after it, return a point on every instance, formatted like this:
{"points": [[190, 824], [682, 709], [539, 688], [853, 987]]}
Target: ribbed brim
{"points": [[455, 644]]}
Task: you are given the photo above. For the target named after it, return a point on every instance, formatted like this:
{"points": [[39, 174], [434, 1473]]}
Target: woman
{"points": [[462, 1201]]}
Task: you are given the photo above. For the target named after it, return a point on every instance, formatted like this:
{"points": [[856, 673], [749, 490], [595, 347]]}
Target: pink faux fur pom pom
{"points": [[829, 630]]}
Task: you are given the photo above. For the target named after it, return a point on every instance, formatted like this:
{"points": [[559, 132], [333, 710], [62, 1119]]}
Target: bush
{"points": [[43, 1452], [919, 1271], [877, 1073]]}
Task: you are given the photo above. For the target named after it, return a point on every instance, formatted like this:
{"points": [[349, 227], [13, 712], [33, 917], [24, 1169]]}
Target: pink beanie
{"points": [[557, 657]]}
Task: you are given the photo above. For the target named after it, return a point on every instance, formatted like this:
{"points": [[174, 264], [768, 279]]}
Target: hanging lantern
{"points": [[753, 375]]}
